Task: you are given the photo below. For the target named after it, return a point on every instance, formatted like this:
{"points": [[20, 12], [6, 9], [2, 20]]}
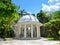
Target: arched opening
{"points": [[22, 31], [28, 29]]}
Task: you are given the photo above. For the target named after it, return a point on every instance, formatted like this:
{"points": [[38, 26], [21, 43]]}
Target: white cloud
{"points": [[53, 1], [58, 4], [51, 7], [45, 7]]}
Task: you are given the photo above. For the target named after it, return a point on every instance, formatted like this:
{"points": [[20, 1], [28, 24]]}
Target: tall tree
{"points": [[56, 15], [33, 14], [54, 25], [22, 12], [42, 17], [8, 15]]}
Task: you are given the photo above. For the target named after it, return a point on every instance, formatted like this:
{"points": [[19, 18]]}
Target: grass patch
{"points": [[50, 38], [7, 39]]}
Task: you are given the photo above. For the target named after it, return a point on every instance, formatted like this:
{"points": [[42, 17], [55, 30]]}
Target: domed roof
{"points": [[28, 18]]}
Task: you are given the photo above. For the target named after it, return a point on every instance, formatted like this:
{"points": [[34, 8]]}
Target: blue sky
{"points": [[34, 6]]}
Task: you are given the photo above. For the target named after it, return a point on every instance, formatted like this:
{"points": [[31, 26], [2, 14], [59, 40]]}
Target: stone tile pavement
{"points": [[30, 42]]}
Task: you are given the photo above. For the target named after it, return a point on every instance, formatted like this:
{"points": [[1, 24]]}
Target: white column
{"points": [[16, 32], [19, 30], [37, 32], [31, 31], [25, 31]]}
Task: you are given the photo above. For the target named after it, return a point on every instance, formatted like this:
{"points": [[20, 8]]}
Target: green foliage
{"points": [[56, 15], [54, 27], [21, 12], [42, 17], [10, 33], [33, 14], [52, 22], [59, 32], [8, 15]]}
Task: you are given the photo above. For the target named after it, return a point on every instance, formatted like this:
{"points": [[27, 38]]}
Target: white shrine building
{"points": [[28, 26]]}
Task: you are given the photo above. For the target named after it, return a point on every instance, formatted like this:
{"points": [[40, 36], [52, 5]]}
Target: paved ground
{"points": [[30, 42]]}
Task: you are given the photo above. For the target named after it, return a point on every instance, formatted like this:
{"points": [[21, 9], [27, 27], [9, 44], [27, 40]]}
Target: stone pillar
{"points": [[31, 31], [19, 30], [16, 32], [37, 31], [25, 31]]}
